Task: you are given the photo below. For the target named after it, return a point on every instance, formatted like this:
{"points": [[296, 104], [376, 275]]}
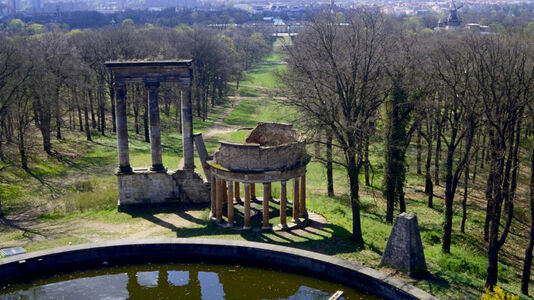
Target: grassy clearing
{"points": [[262, 75], [249, 112]]}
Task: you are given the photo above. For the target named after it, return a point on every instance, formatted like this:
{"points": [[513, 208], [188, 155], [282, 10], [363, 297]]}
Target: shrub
{"points": [[498, 294]]}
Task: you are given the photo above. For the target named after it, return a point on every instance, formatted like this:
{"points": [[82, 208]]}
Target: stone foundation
{"points": [[143, 186]]}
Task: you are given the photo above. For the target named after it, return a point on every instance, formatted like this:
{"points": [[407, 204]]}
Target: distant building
{"points": [[453, 21], [36, 5], [474, 27], [4, 10], [12, 6], [59, 7]]}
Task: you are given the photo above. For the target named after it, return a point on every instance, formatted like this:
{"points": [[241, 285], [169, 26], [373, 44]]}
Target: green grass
{"points": [[249, 112], [262, 75]]}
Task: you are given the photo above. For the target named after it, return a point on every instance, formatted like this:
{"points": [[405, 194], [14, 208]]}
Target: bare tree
{"points": [[453, 72], [504, 78], [333, 80]]}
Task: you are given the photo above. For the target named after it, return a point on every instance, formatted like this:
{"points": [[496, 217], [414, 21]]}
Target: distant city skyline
{"points": [[409, 7]]}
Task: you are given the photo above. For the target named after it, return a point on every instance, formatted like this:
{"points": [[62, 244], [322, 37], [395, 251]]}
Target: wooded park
{"points": [[436, 124]]}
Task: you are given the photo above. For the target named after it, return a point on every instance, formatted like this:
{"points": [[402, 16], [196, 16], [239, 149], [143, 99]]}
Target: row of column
{"points": [[226, 191], [154, 128]]}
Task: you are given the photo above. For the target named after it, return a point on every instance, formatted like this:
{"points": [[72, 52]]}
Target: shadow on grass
{"points": [[41, 180], [327, 239], [12, 224]]}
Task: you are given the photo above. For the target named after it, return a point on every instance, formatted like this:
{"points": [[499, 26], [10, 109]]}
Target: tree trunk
{"points": [[22, 146], [475, 165], [43, 119], [58, 116], [497, 158], [449, 197], [136, 117], [80, 120], [419, 153], [2, 128], [329, 165], [390, 190], [366, 162], [492, 269], [429, 187], [2, 156], [483, 158], [102, 109], [145, 122], [437, 155], [87, 128], [489, 206], [91, 105], [464, 200], [353, 169]]}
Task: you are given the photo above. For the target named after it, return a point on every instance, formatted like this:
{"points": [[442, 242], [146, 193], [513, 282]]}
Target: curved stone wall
{"points": [[73, 258], [255, 158]]}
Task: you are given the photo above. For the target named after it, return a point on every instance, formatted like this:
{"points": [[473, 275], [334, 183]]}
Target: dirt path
{"points": [[218, 127]]}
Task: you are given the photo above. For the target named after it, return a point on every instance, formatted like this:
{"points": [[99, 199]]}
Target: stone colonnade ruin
{"points": [[272, 153], [156, 184]]}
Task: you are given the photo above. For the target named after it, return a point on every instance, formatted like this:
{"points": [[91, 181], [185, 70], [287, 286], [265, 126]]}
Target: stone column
{"points": [[266, 198], [155, 127], [283, 204], [225, 191], [122, 129], [220, 197], [246, 213], [302, 206], [213, 196], [253, 191], [296, 200], [187, 129], [237, 192], [230, 204]]}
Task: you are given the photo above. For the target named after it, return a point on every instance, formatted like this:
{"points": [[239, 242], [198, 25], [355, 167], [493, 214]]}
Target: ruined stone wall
{"points": [[255, 158], [274, 134], [146, 187]]}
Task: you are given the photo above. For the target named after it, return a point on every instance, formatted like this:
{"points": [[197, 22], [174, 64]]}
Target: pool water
{"points": [[180, 281]]}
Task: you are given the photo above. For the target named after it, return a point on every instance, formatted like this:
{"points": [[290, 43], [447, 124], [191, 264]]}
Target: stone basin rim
{"points": [[282, 257]]}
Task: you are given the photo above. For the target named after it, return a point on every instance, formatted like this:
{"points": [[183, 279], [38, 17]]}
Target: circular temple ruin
{"points": [[273, 152]]}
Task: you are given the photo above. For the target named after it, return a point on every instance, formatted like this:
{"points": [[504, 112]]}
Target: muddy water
{"points": [[180, 281]]}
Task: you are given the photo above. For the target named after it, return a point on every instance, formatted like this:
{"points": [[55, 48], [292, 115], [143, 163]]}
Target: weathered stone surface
{"points": [[256, 158], [144, 187], [192, 187], [162, 71], [404, 250], [147, 187], [274, 134]]}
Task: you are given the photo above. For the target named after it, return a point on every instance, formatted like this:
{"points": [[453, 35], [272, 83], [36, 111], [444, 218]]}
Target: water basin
{"points": [[180, 281]]}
